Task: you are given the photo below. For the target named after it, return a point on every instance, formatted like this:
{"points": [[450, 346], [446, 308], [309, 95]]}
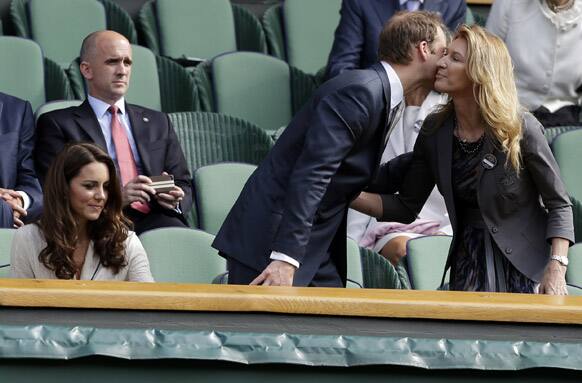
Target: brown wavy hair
{"points": [[59, 225]]}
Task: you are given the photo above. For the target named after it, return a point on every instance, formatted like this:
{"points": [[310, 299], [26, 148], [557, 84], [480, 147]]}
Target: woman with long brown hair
{"points": [[82, 233], [491, 162]]}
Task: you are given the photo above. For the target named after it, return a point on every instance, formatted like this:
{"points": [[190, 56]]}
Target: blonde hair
{"points": [[490, 68]]}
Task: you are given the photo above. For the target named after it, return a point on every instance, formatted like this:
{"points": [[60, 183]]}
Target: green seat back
{"points": [[21, 70], [354, 265], [378, 273], [195, 28], [144, 84], [574, 271], [566, 148], [208, 138], [182, 255], [55, 105], [554, 131], [254, 87], [273, 24], [426, 258], [217, 187], [309, 29], [5, 245], [59, 26], [469, 17]]}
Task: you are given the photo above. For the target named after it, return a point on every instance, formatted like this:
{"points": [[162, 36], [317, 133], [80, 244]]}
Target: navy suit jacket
{"points": [[296, 201], [16, 146], [357, 36], [155, 138]]}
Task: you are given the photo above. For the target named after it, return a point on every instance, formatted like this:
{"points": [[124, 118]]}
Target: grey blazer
{"points": [[520, 225]]}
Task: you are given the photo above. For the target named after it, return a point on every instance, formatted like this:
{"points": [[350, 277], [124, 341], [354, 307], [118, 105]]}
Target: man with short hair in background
{"points": [[141, 141]]}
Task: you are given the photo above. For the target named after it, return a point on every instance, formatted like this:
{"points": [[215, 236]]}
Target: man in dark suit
{"points": [[20, 193], [355, 45], [288, 225], [141, 141]]}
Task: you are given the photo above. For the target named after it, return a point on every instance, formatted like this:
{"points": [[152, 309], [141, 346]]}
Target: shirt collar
{"points": [[100, 107], [403, 2], [396, 90]]}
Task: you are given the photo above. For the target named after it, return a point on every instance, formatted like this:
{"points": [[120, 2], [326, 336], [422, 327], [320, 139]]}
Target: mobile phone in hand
{"points": [[162, 184]]}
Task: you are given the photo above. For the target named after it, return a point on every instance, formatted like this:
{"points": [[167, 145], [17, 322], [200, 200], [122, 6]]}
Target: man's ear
{"points": [[86, 70], [423, 50]]}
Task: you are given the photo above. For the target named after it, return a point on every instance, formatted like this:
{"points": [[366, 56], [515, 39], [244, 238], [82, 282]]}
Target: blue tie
{"points": [[412, 5]]}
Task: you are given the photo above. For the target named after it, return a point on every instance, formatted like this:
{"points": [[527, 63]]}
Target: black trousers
{"points": [[155, 219]]}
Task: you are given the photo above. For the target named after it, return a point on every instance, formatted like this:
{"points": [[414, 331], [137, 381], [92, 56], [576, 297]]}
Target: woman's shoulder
{"points": [[29, 232], [434, 121], [133, 245], [531, 127]]}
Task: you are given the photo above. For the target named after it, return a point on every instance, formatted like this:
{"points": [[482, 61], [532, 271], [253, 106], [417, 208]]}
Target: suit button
{"points": [[494, 229], [508, 250]]}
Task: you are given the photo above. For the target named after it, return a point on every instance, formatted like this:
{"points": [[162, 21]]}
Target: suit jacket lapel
{"points": [[87, 121], [139, 129], [445, 166], [387, 94]]}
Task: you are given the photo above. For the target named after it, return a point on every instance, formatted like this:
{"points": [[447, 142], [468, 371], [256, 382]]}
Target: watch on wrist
{"points": [[562, 259]]}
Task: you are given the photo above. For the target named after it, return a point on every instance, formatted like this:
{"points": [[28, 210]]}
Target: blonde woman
{"points": [[492, 164]]}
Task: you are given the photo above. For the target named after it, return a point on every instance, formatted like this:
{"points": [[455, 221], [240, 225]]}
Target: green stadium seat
{"points": [[552, 132], [216, 189], [355, 278], [22, 59], [301, 32], [55, 105], [208, 138], [574, 272], [426, 258], [59, 26], [26, 74], [199, 28], [182, 255], [156, 83], [378, 272], [469, 17], [254, 87], [566, 147], [5, 245]]}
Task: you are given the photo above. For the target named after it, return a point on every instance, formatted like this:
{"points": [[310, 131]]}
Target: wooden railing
{"points": [[479, 2], [312, 301]]}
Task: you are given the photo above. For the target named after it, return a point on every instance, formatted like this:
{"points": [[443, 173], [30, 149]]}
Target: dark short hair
{"points": [[405, 30]]}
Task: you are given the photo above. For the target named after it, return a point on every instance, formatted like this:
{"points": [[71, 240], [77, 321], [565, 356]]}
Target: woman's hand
{"points": [[368, 203], [554, 279]]}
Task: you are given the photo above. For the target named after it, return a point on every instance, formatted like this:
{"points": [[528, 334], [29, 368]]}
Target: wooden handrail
{"points": [[292, 300], [479, 2]]}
